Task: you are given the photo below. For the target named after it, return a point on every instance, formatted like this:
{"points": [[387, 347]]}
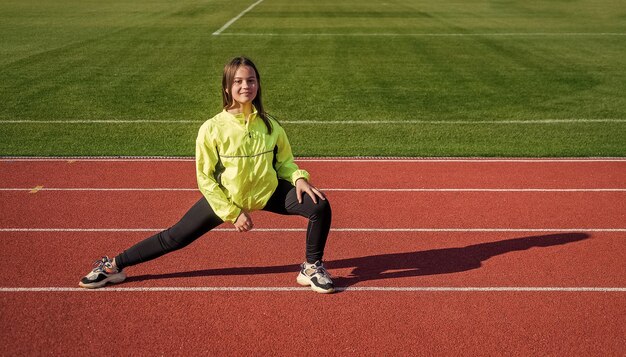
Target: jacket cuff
{"points": [[298, 174], [232, 215]]}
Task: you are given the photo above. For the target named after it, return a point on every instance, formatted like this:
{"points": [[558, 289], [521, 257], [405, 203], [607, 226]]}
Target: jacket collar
{"points": [[240, 117]]}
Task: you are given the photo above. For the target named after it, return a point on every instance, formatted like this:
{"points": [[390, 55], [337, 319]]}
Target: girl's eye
{"points": [[238, 81]]}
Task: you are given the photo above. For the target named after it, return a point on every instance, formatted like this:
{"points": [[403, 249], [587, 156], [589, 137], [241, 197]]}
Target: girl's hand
{"points": [[302, 185], [243, 222]]}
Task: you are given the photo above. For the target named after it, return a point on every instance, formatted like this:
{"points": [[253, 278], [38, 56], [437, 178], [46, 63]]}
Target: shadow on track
{"points": [[398, 265]]}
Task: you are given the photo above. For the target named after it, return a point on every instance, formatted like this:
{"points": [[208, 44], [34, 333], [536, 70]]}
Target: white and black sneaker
{"points": [[103, 272], [316, 276]]}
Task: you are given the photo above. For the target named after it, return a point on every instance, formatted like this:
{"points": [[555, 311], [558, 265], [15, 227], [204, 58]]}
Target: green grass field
{"points": [[370, 78]]}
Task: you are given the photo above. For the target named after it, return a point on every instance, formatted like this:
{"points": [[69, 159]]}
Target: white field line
{"points": [[306, 289], [387, 34], [329, 122], [232, 21], [139, 189], [454, 122], [365, 159], [349, 230], [105, 121]]}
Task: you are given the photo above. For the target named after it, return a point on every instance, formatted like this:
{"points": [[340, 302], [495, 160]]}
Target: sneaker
{"points": [[316, 276], [103, 272]]}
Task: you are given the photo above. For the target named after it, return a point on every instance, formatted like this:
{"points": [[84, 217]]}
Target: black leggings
{"points": [[200, 219]]}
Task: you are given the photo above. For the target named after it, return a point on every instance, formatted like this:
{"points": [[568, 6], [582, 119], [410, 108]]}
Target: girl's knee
{"points": [[169, 242], [321, 208]]}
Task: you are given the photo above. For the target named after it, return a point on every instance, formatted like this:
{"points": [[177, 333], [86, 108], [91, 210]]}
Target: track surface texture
{"points": [[431, 257]]}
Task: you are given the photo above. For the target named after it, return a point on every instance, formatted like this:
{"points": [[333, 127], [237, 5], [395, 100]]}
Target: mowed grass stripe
{"points": [[494, 34], [312, 140], [154, 61], [330, 122]]}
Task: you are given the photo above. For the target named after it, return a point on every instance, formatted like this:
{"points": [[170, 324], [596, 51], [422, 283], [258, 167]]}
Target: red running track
{"points": [[536, 272]]}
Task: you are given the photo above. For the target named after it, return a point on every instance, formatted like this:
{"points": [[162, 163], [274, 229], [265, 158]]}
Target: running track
{"points": [[432, 257]]}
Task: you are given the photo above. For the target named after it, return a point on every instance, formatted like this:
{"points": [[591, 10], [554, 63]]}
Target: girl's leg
{"points": [[197, 221], [285, 201]]}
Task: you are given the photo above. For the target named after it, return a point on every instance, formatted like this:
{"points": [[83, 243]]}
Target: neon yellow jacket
{"points": [[238, 164]]}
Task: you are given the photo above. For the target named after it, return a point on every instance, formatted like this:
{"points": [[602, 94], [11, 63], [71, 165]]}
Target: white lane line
{"points": [[105, 189], [464, 160], [65, 159], [471, 189], [232, 21], [406, 230], [40, 189], [298, 289]]}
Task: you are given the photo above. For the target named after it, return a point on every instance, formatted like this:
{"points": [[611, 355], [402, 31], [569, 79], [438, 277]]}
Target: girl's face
{"points": [[245, 85]]}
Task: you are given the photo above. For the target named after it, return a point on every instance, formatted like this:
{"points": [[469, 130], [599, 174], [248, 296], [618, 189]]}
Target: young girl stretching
{"points": [[243, 163]]}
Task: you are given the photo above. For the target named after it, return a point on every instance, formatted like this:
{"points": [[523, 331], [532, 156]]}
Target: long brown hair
{"points": [[227, 81]]}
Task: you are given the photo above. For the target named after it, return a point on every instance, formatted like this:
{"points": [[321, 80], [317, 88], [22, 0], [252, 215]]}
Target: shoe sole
{"points": [[113, 279], [306, 281]]}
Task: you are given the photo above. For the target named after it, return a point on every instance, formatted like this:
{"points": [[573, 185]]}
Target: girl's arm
{"points": [[288, 170], [206, 160], [285, 166]]}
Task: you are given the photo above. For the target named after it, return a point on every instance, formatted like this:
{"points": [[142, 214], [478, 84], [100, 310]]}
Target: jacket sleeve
{"points": [[285, 166], [206, 161]]}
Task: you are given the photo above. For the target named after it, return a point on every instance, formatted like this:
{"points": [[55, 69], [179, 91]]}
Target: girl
{"points": [[243, 163]]}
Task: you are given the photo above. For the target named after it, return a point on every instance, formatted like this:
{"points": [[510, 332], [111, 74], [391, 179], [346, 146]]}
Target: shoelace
{"points": [[322, 271], [98, 265]]}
